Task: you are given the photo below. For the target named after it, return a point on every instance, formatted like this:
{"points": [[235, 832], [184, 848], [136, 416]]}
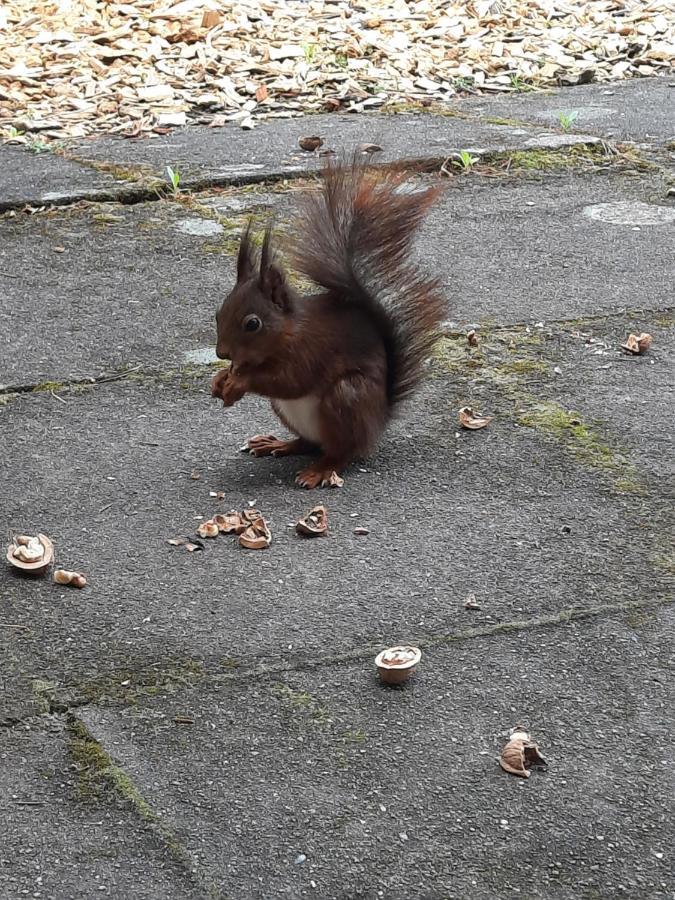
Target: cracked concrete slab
{"points": [[573, 516], [49, 179], [110, 286], [231, 155], [117, 286], [640, 109], [60, 839], [236, 689], [324, 783]]}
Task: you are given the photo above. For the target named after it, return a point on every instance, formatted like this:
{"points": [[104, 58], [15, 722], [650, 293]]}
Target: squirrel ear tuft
{"points": [[274, 287], [272, 279], [245, 261]]}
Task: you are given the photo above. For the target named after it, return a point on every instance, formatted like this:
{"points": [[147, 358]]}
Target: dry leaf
{"points": [[471, 602], [261, 93], [637, 344], [472, 338], [314, 524], [361, 530], [174, 119], [195, 475], [310, 143], [520, 754], [472, 420], [219, 495], [210, 18]]}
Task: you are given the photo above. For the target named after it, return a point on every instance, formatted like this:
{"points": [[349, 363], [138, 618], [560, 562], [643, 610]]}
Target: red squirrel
{"points": [[336, 364]]}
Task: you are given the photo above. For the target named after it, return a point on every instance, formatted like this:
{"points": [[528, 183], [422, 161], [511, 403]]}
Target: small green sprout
{"points": [[174, 179], [466, 161], [567, 119]]}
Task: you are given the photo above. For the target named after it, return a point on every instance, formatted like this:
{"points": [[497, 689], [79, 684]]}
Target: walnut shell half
{"points": [[520, 755], [314, 524], [31, 563], [472, 420]]}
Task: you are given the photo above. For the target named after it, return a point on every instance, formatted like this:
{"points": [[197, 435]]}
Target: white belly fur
{"points": [[303, 416]]}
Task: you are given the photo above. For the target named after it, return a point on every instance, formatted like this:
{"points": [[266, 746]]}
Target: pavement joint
{"points": [[663, 317], [136, 185], [99, 771], [119, 687]]}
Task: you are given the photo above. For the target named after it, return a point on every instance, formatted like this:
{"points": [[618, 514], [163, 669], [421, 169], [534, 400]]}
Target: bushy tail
{"points": [[355, 240]]}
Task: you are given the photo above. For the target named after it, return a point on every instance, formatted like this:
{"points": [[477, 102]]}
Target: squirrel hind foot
{"points": [[319, 475]]}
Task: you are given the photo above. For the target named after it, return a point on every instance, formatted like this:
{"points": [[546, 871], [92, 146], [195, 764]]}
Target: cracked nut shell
{"points": [[520, 754], [314, 524], [257, 536]]}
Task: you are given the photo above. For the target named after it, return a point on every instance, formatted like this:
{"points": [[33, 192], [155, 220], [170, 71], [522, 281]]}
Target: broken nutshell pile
{"points": [[249, 525]]}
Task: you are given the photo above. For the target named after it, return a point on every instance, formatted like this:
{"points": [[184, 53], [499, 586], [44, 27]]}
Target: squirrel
{"points": [[336, 365]]}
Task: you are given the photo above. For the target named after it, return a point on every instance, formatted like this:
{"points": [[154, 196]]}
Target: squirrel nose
{"points": [[222, 354]]}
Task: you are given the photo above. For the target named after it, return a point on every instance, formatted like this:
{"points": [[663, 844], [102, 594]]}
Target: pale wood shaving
{"points": [[75, 67]]}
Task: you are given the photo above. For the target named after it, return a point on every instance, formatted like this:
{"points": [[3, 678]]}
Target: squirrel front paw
{"points": [[227, 387]]}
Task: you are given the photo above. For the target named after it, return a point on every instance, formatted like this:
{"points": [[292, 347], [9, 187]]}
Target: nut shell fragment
{"points": [[189, 545], [637, 343], [75, 579], [520, 754], [314, 524], [208, 529], [257, 536], [232, 523], [472, 420]]}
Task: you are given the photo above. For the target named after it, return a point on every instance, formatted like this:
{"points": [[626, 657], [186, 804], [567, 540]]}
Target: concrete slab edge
{"points": [[149, 188]]}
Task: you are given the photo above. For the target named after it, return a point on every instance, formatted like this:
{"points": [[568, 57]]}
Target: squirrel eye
{"points": [[252, 323]]}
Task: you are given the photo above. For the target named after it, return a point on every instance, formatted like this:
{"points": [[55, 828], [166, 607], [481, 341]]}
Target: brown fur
{"points": [[360, 345]]}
